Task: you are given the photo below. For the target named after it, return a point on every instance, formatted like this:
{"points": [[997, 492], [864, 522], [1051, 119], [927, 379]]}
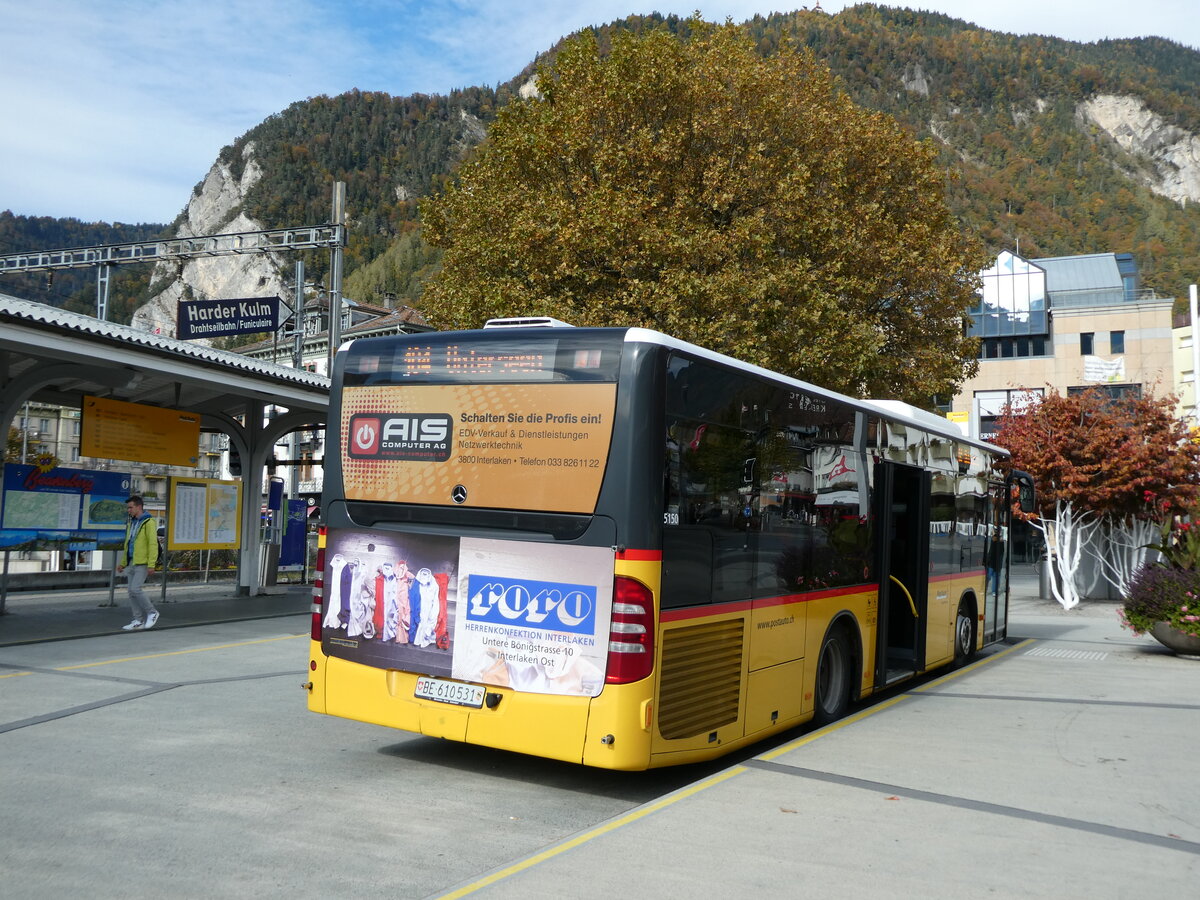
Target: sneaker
{"points": [[151, 619], [135, 625]]}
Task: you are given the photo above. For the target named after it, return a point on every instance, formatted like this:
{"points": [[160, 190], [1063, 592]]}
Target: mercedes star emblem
{"points": [[459, 494]]}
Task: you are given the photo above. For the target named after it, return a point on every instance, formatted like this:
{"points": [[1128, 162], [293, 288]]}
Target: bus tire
{"points": [[965, 632], [834, 666]]}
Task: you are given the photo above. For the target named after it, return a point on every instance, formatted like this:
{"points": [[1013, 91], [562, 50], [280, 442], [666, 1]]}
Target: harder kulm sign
{"points": [[221, 318]]}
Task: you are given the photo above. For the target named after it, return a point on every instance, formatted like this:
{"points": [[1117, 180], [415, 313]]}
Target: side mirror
{"points": [[1026, 493]]}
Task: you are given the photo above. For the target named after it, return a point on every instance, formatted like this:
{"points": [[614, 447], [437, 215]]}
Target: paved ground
{"points": [[1062, 764], [33, 616]]}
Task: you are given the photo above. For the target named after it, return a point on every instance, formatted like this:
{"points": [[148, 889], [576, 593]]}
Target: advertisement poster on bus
{"points": [[530, 616], [48, 506], [501, 446], [533, 617], [390, 599]]}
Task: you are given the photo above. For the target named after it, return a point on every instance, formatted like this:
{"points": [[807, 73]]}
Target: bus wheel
{"points": [[833, 678], [964, 633]]}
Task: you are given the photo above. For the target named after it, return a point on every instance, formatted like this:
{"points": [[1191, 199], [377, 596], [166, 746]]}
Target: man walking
{"points": [[140, 556]]}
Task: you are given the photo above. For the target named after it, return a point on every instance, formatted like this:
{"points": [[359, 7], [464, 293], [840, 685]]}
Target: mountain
{"points": [[1052, 148]]}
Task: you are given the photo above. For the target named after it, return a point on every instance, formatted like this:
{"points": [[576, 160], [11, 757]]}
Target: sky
{"points": [[115, 109]]}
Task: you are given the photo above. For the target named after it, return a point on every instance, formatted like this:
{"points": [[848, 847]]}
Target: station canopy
{"points": [[49, 355], [67, 355]]}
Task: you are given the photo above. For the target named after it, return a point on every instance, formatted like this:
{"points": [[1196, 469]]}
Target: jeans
{"points": [[138, 601], [993, 581]]}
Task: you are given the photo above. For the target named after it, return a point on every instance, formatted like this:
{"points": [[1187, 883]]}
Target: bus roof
{"points": [[893, 410]]}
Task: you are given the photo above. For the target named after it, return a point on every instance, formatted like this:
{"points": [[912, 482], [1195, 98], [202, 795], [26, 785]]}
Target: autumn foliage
{"points": [[1105, 456], [691, 185]]}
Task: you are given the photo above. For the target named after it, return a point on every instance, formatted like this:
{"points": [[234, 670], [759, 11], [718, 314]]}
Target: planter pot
{"points": [[1176, 641]]}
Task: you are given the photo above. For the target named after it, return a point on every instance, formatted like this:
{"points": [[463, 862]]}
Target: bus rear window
{"points": [[482, 357], [480, 419]]}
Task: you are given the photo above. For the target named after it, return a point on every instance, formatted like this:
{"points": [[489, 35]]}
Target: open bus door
{"points": [[902, 513]]}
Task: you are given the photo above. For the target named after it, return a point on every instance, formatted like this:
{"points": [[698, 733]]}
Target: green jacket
{"points": [[144, 534]]}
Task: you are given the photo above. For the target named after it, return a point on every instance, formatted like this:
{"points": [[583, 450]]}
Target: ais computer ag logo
{"points": [[414, 436]]}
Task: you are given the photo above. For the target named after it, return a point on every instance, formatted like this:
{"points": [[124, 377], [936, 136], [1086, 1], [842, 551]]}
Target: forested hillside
{"points": [[1005, 111], [75, 289], [1025, 166]]}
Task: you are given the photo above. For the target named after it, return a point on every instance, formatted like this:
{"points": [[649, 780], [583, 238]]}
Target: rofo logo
{"points": [[548, 605]]}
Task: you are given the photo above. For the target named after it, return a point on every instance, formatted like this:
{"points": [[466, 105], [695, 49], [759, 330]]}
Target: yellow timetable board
{"points": [[114, 429]]}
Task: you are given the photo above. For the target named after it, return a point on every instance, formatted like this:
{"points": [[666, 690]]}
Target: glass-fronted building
{"points": [[1065, 323]]}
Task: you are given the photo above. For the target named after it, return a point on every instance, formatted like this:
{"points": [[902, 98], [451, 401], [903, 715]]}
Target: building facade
{"points": [[1067, 324]]}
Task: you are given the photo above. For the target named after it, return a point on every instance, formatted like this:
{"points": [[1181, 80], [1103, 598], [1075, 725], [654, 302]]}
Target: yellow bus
{"points": [[612, 547]]}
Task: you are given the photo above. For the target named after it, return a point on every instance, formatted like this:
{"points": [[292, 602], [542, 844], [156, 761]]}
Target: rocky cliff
{"points": [[1169, 157], [215, 208]]}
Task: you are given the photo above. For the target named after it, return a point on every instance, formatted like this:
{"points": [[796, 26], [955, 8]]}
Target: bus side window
{"points": [[705, 554]]}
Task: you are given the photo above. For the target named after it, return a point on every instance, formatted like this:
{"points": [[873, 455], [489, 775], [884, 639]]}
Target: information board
{"points": [[47, 507], [204, 514], [114, 429]]}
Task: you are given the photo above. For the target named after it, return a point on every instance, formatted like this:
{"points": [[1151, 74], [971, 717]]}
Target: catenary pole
{"points": [[1195, 360], [335, 272]]}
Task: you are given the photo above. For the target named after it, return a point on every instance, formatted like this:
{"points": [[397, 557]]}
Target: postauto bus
{"points": [[612, 547]]}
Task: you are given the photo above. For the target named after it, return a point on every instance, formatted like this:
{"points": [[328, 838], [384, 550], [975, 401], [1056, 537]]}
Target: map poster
{"points": [[203, 514], [43, 508]]}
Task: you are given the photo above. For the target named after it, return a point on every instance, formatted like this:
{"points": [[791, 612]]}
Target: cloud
{"points": [[115, 110]]}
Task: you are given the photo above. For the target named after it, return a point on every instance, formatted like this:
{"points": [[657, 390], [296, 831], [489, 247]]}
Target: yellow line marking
{"points": [[570, 844], [950, 676], [694, 789], [288, 637], [15, 674], [832, 727]]}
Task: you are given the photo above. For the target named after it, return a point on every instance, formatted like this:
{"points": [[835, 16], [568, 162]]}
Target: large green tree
{"points": [[691, 185]]}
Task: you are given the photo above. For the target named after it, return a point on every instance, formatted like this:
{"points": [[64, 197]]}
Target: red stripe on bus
{"points": [[720, 609], [966, 573], [640, 555]]}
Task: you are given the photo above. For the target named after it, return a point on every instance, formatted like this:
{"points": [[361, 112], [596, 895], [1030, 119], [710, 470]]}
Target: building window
{"points": [[1114, 391], [1013, 300], [74, 454], [1009, 348], [1087, 341], [993, 403], [1116, 342]]}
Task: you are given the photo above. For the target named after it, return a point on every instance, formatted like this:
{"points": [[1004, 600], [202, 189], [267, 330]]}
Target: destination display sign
{"points": [[221, 318]]}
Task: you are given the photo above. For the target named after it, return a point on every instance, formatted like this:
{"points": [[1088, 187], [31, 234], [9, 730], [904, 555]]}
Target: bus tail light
{"points": [[318, 594], [631, 635]]}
